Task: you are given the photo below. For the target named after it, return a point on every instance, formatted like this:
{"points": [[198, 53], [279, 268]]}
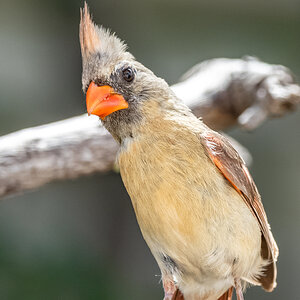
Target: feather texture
{"points": [[197, 206], [228, 161], [185, 207], [178, 295], [227, 295]]}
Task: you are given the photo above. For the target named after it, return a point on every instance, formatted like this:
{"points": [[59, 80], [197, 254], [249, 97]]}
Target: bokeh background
{"points": [[79, 239]]}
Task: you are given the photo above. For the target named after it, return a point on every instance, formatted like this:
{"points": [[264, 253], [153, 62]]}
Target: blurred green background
{"points": [[79, 239]]}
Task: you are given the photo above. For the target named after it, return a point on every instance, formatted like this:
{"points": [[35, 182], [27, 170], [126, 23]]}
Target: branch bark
{"points": [[243, 92], [224, 92]]}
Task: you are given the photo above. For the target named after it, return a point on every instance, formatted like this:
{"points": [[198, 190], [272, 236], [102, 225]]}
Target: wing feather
{"points": [[231, 165]]}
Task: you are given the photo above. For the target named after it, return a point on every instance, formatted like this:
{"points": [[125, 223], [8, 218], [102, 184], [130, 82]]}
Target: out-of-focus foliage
{"points": [[79, 239]]}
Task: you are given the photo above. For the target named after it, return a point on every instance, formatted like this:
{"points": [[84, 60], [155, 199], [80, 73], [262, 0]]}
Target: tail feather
{"points": [[177, 295], [227, 295]]}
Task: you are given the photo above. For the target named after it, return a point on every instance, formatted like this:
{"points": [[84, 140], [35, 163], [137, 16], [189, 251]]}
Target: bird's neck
{"points": [[152, 114]]}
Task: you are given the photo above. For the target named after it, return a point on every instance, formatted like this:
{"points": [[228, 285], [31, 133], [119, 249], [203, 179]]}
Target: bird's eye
{"points": [[128, 74]]}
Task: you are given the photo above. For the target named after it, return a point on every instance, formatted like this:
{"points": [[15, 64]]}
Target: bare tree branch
{"points": [[224, 92], [244, 92], [67, 149]]}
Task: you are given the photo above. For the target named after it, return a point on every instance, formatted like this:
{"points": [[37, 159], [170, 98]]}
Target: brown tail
{"points": [[227, 295], [178, 295]]}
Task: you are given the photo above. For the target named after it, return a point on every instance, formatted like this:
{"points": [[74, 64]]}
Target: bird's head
{"points": [[116, 85]]}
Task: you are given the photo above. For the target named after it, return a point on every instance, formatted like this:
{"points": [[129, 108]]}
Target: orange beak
{"points": [[103, 100]]}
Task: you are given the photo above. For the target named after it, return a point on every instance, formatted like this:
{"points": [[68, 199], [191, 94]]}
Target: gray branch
{"points": [[224, 92], [243, 92]]}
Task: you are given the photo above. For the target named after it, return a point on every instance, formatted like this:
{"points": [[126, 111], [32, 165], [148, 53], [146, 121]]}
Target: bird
{"points": [[195, 201]]}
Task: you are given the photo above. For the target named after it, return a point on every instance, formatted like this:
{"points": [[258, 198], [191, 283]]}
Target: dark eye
{"points": [[128, 74]]}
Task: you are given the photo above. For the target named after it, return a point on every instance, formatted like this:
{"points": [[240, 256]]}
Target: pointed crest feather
{"points": [[97, 39], [89, 38]]}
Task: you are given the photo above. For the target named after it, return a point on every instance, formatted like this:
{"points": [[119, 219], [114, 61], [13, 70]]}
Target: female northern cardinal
{"points": [[195, 201]]}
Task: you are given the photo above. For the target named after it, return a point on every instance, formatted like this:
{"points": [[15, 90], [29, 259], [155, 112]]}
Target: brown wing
{"points": [[228, 161]]}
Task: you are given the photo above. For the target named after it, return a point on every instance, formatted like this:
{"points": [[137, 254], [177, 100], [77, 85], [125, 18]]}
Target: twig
{"points": [[224, 92]]}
